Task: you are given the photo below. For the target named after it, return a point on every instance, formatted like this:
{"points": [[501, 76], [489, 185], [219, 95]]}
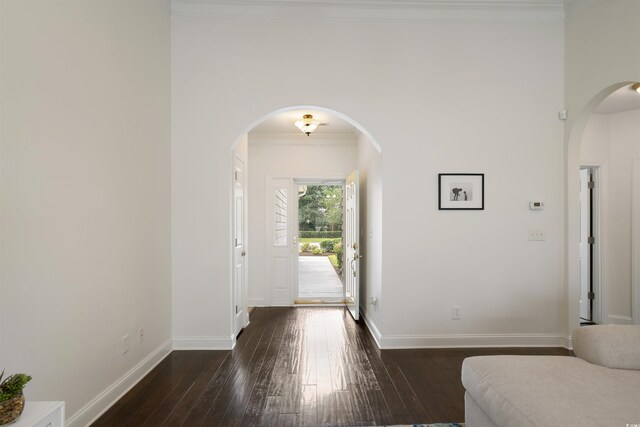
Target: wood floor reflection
{"points": [[308, 366]]}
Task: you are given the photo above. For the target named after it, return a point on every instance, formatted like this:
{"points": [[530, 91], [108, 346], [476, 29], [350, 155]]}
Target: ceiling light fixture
{"points": [[307, 124], [636, 87]]}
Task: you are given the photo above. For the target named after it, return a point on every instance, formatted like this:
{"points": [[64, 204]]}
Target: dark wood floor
{"points": [[302, 367]]}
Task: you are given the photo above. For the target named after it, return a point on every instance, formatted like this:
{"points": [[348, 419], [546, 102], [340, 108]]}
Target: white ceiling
{"points": [[283, 124], [624, 99]]}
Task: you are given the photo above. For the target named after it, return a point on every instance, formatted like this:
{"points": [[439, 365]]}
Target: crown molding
{"points": [[534, 11]]}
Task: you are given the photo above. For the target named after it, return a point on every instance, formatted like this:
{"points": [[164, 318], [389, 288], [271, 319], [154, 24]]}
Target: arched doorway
{"points": [[278, 159], [581, 154]]}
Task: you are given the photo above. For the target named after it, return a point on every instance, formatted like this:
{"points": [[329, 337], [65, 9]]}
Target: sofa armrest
{"points": [[612, 346]]}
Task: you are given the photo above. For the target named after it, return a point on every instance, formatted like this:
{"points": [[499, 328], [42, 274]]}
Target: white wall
{"points": [[597, 62], [290, 157], [595, 140], [85, 196], [438, 96], [370, 166], [613, 139]]}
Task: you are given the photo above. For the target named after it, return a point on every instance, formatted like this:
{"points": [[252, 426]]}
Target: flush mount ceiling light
{"points": [[307, 124], [636, 87]]}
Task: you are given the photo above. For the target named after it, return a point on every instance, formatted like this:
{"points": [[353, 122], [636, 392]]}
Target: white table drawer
{"points": [[41, 414]]}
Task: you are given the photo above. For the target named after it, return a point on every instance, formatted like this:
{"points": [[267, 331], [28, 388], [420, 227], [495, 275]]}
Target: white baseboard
{"points": [[375, 332], [616, 319], [385, 342], [568, 342], [98, 405], [472, 340], [204, 343]]}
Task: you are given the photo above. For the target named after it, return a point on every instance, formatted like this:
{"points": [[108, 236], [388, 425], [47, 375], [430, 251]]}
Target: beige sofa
{"points": [[599, 387]]}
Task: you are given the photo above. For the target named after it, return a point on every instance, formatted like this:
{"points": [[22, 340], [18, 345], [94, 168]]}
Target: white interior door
{"points": [[239, 252], [280, 201], [351, 245]]}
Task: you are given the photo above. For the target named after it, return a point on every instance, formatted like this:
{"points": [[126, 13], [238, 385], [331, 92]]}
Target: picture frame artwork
{"points": [[461, 191]]}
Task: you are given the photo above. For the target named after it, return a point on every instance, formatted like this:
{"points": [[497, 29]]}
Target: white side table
{"points": [[41, 414]]}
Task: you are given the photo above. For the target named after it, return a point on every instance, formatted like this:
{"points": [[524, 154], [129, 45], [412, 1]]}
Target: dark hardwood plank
{"points": [[344, 408], [152, 388], [380, 411], [309, 407], [246, 407], [236, 393], [287, 420], [269, 416], [361, 408], [411, 401], [229, 367], [193, 383], [308, 366], [172, 389], [188, 400], [396, 407]]}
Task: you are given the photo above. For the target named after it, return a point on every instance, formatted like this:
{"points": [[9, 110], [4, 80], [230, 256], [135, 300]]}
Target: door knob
{"points": [[244, 252]]}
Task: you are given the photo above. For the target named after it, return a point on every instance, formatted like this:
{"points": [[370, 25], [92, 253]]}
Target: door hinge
{"points": [[591, 185], [236, 309], [591, 240], [235, 175], [235, 242], [591, 295]]}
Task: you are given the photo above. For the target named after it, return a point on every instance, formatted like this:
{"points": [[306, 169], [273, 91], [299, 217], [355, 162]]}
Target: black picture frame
{"points": [[469, 195]]}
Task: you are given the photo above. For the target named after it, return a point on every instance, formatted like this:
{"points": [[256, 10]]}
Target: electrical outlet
{"points": [[125, 344], [455, 313], [536, 235], [140, 335]]}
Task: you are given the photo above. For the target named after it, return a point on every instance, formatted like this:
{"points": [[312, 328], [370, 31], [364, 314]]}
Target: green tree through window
{"points": [[320, 208]]}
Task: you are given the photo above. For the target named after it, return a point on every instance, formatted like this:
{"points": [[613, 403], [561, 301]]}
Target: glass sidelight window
{"points": [[280, 237]]}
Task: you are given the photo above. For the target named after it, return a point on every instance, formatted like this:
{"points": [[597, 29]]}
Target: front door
{"points": [[352, 245], [240, 319]]}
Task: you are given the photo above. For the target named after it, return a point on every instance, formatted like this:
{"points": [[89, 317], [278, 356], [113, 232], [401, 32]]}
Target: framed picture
{"points": [[463, 191]]}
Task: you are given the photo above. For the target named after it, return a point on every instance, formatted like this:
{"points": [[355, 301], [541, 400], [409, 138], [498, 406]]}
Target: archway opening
{"points": [[289, 245], [603, 217]]}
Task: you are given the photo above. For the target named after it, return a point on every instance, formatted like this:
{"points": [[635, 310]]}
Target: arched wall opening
{"points": [[573, 219], [367, 158], [344, 117]]}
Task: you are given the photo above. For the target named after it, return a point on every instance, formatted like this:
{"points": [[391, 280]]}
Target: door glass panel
{"points": [[280, 236]]}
